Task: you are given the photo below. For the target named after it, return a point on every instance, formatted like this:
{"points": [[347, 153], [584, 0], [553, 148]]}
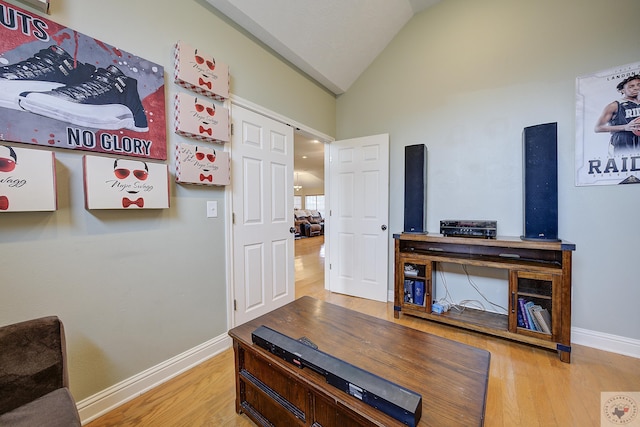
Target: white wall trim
{"points": [[100, 403], [256, 108], [228, 234], [606, 342]]}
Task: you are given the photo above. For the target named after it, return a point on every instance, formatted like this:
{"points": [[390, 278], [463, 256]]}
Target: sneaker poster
{"points": [[60, 88]]}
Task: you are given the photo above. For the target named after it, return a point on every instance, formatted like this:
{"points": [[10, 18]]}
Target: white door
{"points": [[359, 198], [262, 206]]}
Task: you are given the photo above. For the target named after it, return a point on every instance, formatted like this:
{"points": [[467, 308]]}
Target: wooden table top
{"points": [[451, 377]]}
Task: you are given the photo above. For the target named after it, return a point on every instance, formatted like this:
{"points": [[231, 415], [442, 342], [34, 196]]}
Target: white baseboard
{"points": [[606, 342], [594, 339], [114, 396], [118, 394]]}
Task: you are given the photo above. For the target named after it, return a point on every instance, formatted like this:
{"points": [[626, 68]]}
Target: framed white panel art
{"points": [[199, 118], [202, 164], [27, 180], [200, 72], [125, 183]]}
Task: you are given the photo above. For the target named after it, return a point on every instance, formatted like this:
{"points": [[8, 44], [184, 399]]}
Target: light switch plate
{"points": [[212, 209]]}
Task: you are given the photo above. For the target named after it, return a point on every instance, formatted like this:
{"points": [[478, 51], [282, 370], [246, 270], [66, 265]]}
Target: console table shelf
{"points": [[539, 271]]}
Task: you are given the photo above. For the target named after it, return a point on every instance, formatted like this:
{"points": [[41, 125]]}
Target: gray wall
{"points": [[464, 78], [137, 288]]}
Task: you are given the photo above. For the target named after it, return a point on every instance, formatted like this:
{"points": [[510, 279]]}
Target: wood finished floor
{"points": [[527, 386]]}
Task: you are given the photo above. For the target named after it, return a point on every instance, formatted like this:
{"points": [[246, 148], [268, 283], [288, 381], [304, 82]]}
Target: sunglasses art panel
{"points": [[198, 118], [27, 180], [202, 164], [64, 89], [125, 183], [200, 73]]}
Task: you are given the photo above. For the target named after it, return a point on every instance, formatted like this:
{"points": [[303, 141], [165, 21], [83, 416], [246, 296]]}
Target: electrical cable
{"points": [[460, 306], [474, 286]]}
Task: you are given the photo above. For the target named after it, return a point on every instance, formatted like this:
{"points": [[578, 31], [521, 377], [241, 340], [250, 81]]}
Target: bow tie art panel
{"points": [[200, 72], [27, 180], [202, 164], [198, 118], [125, 183]]}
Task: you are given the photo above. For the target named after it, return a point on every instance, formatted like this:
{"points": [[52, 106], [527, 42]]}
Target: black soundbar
{"points": [[396, 401]]}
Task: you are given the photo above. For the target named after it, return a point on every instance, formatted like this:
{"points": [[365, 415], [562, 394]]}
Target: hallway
{"points": [[309, 271]]}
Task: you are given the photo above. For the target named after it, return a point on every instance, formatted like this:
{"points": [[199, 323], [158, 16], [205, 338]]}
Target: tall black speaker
{"points": [[540, 170], [415, 188]]}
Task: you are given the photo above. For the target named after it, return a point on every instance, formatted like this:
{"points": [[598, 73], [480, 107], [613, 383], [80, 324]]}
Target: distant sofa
{"points": [[34, 384], [308, 222]]}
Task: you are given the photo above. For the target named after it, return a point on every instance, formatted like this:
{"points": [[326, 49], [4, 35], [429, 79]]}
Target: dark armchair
{"points": [[316, 224], [33, 375], [308, 222], [300, 221]]}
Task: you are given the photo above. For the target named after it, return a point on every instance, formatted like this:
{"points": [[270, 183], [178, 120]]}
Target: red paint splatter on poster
{"points": [[62, 37], [75, 51], [102, 45]]}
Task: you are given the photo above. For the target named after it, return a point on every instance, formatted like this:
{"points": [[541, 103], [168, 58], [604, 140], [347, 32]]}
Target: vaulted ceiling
{"points": [[332, 41]]}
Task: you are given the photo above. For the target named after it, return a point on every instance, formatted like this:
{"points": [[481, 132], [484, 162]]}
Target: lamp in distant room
{"points": [[296, 186]]}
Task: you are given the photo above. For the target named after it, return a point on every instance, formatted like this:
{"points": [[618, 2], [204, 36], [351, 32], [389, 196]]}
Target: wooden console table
{"points": [[451, 377], [539, 271]]}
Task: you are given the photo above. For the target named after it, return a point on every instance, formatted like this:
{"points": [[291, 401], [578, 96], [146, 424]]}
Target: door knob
{"points": [[384, 227], [292, 230]]}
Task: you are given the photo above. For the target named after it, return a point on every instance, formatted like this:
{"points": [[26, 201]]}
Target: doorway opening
{"points": [[309, 207]]}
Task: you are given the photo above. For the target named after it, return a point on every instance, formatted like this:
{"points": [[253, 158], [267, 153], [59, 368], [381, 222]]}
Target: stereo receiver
{"points": [[469, 228]]}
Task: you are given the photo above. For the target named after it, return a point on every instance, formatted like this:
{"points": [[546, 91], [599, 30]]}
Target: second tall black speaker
{"points": [[540, 175], [415, 188]]}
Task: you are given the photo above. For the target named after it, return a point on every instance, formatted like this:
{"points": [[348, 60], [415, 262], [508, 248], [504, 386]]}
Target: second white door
{"points": [[359, 198]]}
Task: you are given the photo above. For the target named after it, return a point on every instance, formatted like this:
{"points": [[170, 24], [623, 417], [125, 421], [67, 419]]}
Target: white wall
{"points": [[465, 78], [135, 289]]}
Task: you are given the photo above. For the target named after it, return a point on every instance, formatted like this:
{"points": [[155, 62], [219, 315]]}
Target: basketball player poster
{"points": [[608, 127], [61, 88]]}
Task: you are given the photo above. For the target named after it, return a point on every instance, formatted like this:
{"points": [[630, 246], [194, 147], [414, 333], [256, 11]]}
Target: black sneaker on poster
{"points": [[46, 70], [107, 100]]}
